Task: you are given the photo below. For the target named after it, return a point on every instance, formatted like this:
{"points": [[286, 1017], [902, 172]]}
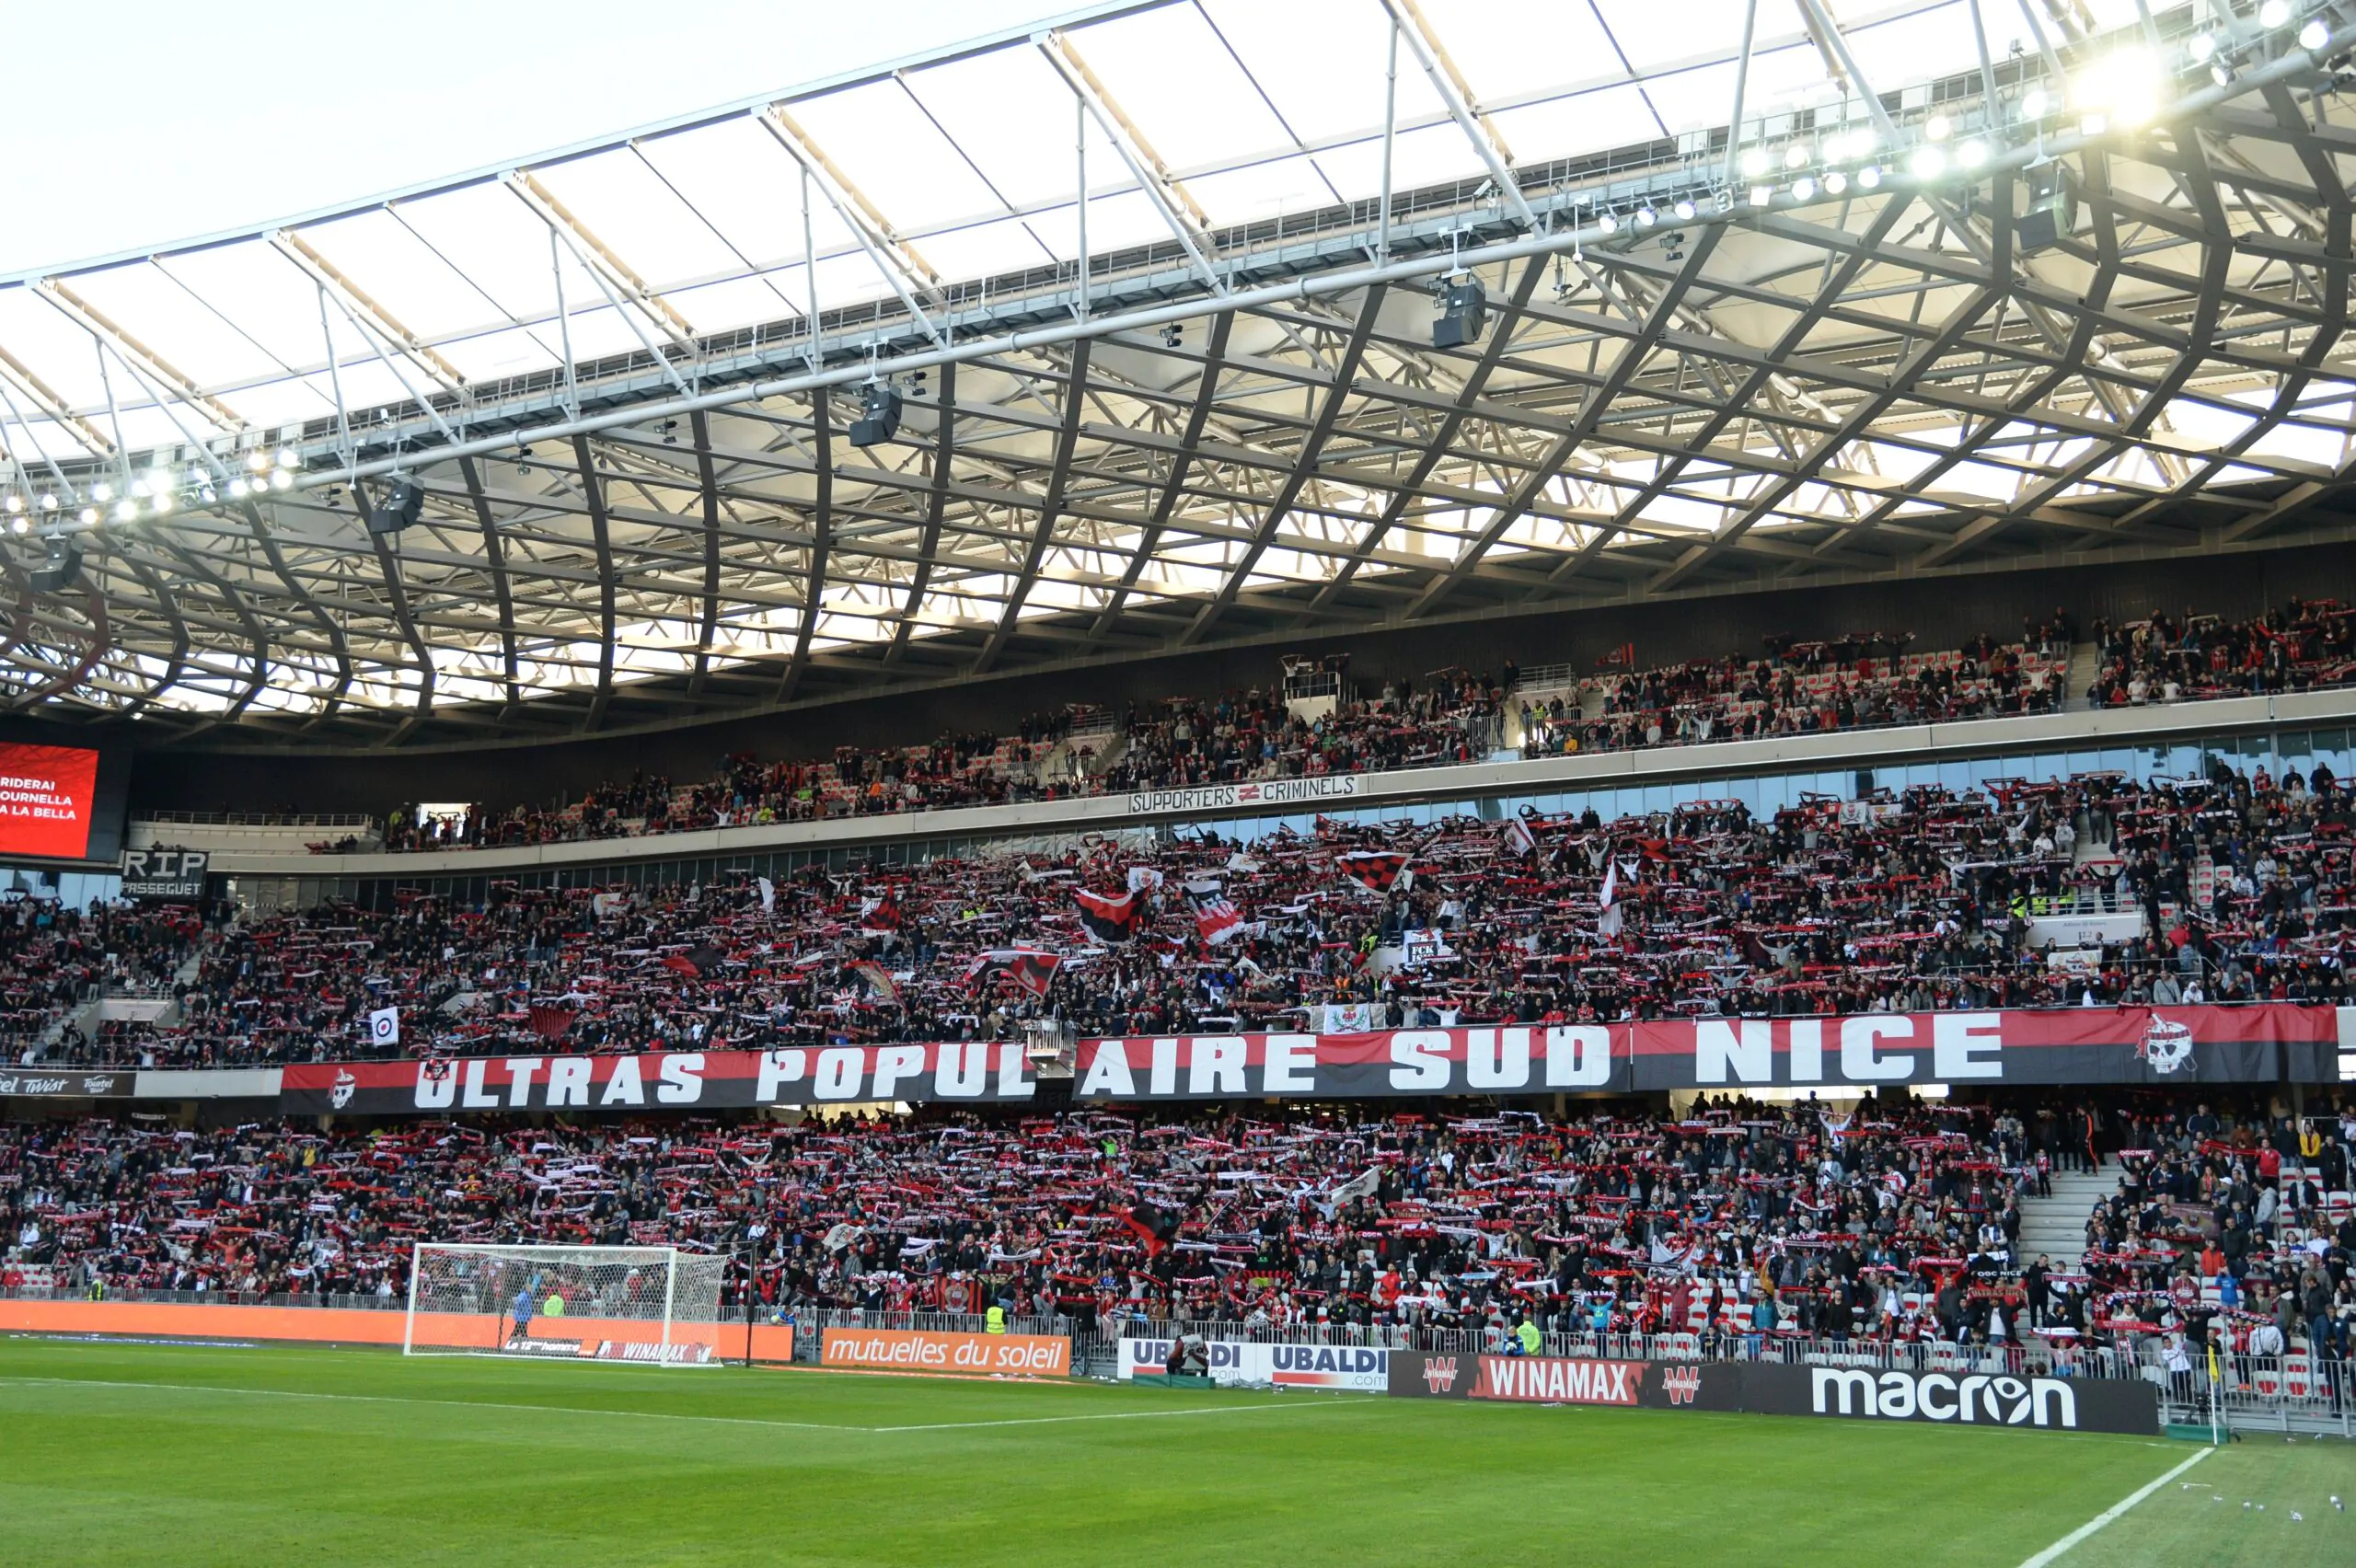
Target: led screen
{"points": [[46, 796]]}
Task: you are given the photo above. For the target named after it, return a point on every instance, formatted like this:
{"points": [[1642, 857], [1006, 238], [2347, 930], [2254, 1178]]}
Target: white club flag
{"points": [[385, 1026], [768, 894]]}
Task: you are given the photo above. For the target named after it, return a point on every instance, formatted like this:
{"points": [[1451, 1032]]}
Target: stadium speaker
{"points": [[878, 416], [404, 502], [59, 569], [2053, 213], [1463, 315]]}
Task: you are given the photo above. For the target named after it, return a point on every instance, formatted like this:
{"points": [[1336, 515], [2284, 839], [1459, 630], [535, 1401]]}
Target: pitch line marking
{"points": [[2112, 1513], [647, 1414], [1102, 1415]]}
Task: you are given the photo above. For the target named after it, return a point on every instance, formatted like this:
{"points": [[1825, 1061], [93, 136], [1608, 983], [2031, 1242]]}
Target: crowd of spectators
{"points": [[977, 769], [1914, 901], [1862, 682], [1451, 718], [53, 959], [2224, 1232], [2301, 644], [1896, 1220], [1855, 681]]}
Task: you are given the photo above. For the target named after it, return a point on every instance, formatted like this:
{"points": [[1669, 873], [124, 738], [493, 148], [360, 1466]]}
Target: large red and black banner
{"points": [[2093, 1046], [2269, 1043], [962, 1072]]}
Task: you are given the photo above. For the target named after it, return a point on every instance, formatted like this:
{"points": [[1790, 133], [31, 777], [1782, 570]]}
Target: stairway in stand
{"points": [[2056, 1227]]}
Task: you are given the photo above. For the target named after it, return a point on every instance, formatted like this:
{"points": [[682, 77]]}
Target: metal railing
{"points": [[254, 819]]}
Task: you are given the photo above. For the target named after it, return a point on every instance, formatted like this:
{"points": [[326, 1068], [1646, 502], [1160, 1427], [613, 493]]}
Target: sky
{"points": [[134, 123]]}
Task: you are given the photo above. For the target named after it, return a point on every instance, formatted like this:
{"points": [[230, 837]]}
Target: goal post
{"points": [[659, 1306]]}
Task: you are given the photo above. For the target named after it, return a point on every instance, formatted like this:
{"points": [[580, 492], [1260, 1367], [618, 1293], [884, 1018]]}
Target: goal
{"points": [[656, 1305]]}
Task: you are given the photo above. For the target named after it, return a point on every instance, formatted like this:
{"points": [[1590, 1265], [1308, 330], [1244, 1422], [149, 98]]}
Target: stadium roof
{"points": [[1759, 312]]}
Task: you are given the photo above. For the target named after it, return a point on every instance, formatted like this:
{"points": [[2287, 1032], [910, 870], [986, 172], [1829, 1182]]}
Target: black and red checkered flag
{"points": [[1376, 871]]}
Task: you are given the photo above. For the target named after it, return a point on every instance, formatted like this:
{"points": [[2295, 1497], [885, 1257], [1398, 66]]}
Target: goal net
{"points": [[649, 1304]]}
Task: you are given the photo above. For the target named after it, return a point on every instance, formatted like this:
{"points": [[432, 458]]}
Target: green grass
{"points": [[121, 1455]]}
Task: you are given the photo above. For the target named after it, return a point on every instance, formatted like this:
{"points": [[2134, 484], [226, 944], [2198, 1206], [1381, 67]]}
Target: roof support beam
{"points": [[1633, 357], [55, 409], [598, 257], [320, 616], [397, 597], [1173, 488], [494, 556], [354, 301], [1312, 447], [895, 260], [1457, 94], [1188, 221], [1438, 442], [1051, 509], [593, 491], [707, 624], [822, 530], [129, 350], [944, 451]]}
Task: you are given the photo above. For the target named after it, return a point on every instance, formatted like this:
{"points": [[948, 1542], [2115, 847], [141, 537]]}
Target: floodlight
{"points": [[2274, 12], [2314, 35], [1928, 163], [1803, 189]]}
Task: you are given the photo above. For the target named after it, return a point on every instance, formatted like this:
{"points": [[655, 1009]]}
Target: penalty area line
{"points": [[2113, 1512]]}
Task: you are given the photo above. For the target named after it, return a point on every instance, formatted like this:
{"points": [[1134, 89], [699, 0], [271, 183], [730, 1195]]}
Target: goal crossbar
{"points": [[655, 1305]]}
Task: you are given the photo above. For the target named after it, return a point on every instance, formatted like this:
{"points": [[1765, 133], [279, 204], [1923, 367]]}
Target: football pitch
{"points": [[118, 1454]]}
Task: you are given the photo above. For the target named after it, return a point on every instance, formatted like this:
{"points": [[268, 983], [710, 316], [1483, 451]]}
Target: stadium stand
{"points": [[1862, 680], [1897, 1222], [2224, 889]]}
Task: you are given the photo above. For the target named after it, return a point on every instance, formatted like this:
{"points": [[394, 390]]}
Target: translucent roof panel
{"points": [[953, 181]]}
